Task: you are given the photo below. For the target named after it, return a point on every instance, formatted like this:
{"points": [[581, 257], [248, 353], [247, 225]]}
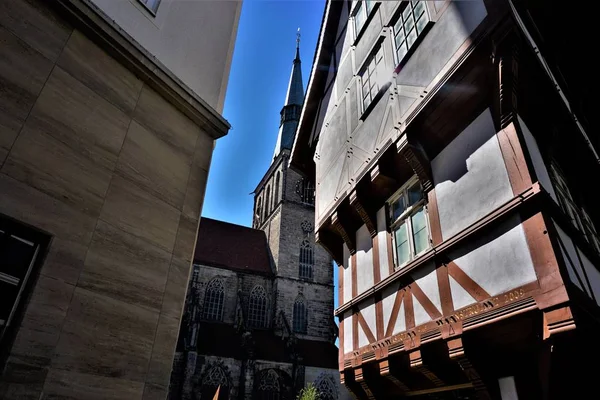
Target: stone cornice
{"points": [[105, 32]]}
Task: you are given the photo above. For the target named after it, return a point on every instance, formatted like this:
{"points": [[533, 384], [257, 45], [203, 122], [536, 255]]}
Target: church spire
{"points": [[290, 113]]}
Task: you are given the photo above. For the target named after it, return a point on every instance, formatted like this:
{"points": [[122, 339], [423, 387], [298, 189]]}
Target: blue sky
{"points": [[260, 71]]}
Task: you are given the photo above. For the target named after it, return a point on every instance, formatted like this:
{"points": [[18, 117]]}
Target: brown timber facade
{"points": [[448, 154]]}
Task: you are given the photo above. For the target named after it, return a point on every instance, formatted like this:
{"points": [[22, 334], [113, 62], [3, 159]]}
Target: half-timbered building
{"points": [[451, 149]]}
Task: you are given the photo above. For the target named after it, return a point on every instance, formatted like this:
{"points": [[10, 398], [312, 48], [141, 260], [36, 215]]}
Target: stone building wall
{"points": [[115, 175]]}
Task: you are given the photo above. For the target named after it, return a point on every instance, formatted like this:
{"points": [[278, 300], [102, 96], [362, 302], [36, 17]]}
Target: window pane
{"points": [[420, 236], [409, 23], [359, 18], [402, 245], [419, 8], [411, 37], [406, 13], [421, 24], [398, 208], [401, 51], [414, 194]]}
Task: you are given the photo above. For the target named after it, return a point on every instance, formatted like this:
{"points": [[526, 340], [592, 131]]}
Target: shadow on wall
{"points": [[446, 165]]}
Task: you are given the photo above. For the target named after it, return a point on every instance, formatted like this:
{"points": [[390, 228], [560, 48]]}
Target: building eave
{"points": [[86, 16], [302, 150]]}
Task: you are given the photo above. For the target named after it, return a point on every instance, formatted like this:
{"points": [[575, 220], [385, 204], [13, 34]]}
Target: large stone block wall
{"points": [[116, 175]]}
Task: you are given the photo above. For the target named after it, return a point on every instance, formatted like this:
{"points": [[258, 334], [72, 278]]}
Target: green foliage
{"points": [[308, 393]]}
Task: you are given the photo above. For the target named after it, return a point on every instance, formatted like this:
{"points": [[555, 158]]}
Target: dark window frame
{"points": [[406, 15], [43, 240]]}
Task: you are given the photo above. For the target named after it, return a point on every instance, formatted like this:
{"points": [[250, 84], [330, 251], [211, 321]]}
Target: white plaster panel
{"points": [[193, 39], [508, 389], [499, 263], [421, 315], [367, 309], [347, 275], [569, 254], [593, 276], [387, 300], [536, 158], [400, 325], [347, 318], [470, 176], [364, 259], [428, 283], [383, 244], [460, 297]]}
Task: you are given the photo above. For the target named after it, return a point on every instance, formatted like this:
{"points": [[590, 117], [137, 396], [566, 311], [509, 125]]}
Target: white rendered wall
{"points": [[347, 275], [364, 260], [499, 264], [470, 176], [536, 158], [367, 309], [383, 244], [347, 318], [193, 39]]}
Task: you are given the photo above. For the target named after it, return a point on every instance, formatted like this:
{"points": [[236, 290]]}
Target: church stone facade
{"points": [[258, 319]]}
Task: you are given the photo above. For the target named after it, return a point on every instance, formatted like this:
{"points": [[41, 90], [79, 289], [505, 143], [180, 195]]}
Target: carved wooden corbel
{"points": [[350, 240], [386, 371], [360, 379], [364, 215], [416, 157], [456, 351], [416, 362], [558, 320]]}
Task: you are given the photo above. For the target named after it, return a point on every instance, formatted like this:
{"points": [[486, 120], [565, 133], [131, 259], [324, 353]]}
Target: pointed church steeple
{"points": [[290, 113]]}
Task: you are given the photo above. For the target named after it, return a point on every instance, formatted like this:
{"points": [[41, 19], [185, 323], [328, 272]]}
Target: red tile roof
{"points": [[235, 247]]}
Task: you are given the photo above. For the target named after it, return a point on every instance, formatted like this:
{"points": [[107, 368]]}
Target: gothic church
{"points": [[258, 319]]}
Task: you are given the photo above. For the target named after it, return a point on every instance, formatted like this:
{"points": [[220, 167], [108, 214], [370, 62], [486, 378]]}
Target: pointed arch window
{"points": [[259, 211], [215, 378], [268, 202], [276, 192], [307, 260], [300, 324], [269, 387], [257, 307], [326, 387], [213, 300]]}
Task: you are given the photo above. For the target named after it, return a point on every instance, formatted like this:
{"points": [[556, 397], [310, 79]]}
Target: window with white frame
{"points": [[578, 215], [411, 23], [151, 5], [370, 78], [409, 224], [361, 13]]}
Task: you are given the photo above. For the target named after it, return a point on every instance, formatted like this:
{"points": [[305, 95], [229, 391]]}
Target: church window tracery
{"points": [[257, 307], [213, 300], [269, 387], [268, 202], [307, 260], [306, 190], [326, 387], [215, 378], [300, 324]]}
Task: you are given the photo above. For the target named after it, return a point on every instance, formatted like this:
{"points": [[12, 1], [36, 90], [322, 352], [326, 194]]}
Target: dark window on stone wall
{"points": [[307, 260], [213, 301], [257, 307], [21, 250], [300, 324]]}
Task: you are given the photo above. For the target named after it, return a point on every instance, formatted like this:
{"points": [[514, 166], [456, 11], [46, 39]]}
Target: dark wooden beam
{"points": [[368, 219], [348, 237], [457, 353], [332, 243], [416, 363], [415, 156]]}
